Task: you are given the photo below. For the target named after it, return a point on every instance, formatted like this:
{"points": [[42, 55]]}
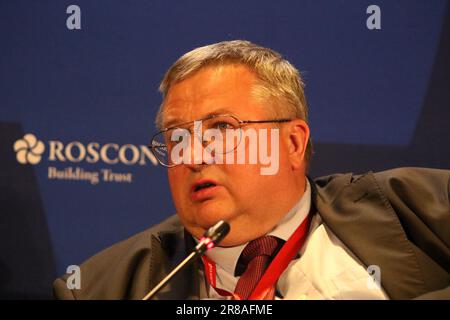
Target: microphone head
{"points": [[217, 232], [213, 236]]}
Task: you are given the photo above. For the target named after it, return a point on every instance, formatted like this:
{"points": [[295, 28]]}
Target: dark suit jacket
{"points": [[397, 219]]}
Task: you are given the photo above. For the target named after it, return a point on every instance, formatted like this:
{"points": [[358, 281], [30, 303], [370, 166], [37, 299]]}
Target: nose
{"points": [[197, 157]]}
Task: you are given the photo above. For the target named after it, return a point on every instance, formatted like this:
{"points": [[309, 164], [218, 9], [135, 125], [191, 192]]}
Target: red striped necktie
{"points": [[257, 256]]}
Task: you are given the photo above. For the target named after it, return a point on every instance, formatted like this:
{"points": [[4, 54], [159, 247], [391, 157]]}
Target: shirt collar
{"points": [[227, 257]]}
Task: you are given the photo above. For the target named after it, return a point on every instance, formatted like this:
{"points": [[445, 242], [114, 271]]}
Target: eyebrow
{"points": [[174, 121]]}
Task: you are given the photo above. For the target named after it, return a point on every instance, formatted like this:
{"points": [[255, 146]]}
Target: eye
{"points": [[178, 135], [223, 125], [178, 139]]}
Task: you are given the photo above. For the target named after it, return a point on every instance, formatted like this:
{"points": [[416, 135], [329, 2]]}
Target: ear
{"points": [[297, 137]]}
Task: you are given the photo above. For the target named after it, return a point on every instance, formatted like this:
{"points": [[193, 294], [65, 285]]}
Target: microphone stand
{"points": [[211, 238], [185, 262]]}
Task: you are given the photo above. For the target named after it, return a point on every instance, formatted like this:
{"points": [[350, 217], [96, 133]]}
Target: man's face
{"points": [[252, 203]]}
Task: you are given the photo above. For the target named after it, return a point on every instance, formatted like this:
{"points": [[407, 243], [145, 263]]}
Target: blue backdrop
{"points": [[378, 99]]}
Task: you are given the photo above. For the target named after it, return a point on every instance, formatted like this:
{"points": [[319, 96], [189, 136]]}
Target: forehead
{"points": [[223, 89]]}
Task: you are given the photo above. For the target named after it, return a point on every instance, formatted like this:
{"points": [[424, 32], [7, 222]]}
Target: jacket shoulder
{"points": [[415, 175], [409, 177], [420, 196], [423, 188]]}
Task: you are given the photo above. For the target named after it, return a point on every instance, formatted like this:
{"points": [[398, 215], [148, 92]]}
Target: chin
{"points": [[209, 214]]}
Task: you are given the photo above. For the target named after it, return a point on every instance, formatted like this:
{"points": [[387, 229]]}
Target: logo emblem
{"points": [[29, 149]]}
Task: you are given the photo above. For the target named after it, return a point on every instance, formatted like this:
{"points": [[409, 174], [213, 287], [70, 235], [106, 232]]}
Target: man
{"points": [[317, 239]]}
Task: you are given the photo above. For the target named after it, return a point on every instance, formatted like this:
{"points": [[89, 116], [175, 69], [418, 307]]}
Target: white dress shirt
{"points": [[326, 269]]}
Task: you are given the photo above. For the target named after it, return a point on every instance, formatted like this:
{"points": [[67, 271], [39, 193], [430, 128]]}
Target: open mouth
{"points": [[204, 189], [203, 186]]}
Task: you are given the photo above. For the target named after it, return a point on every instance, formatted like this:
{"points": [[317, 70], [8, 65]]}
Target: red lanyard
{"points": [[279, 264]]}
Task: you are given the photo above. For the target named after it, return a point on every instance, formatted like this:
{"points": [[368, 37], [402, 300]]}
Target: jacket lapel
{"points": [[168, 250], [359, 214]]}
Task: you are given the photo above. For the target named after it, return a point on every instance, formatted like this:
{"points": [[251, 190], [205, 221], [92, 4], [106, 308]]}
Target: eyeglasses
{"points": [[216, 128]]}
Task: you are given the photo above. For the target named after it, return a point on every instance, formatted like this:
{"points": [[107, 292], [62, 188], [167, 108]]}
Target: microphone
{"points": [[212, 237]]}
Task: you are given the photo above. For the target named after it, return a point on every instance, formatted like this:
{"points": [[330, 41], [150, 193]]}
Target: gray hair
{"points": [[279, 80]]}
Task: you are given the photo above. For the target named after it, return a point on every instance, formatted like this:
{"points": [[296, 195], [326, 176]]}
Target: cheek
{"points": [[172, 177], [176, 186], [244, 181]]}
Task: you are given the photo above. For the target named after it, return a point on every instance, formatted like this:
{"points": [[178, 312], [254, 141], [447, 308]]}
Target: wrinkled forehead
{"points": [[211, 91]]}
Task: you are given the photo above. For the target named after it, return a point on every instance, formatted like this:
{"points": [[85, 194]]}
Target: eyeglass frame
{"points": [[241, 122]]}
